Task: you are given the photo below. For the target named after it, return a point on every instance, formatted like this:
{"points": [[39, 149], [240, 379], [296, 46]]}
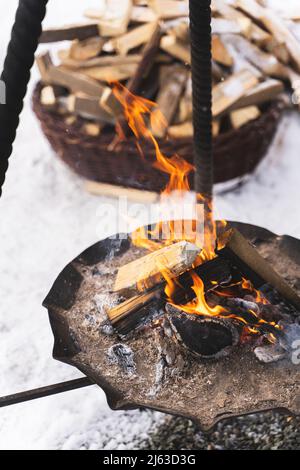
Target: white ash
{"points": [[123, 356], [270, 353], [290, 337], [105, 302], [244, 304], [107, 329], [159, 378]]}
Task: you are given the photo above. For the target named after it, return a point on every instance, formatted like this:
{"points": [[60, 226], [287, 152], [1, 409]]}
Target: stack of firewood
{"points": [[144, 44]]}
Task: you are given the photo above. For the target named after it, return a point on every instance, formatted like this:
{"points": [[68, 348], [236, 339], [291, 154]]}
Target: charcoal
{"points": [[123, 356], [204, 337]]}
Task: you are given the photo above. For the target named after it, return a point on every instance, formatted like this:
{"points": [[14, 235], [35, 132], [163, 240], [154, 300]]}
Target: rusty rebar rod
{"points": [[200, 28]]}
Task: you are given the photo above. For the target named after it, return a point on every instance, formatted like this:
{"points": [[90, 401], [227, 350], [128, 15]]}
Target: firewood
{"points": [[185, 111], [128, 315], [267, 63], [181, 131], [275, 25], [142, 14], [110, 103], [44, 62], [113, 191], [92, 129], [242, 116], [249, 29], [109, 73], [48, 98], [168, 9], [220, 52], [225, 26], [76, 82], [87, 49], [134, 38], [215, 127], [89, 107], [103, 61], [253, 266], [144, 273], [176, 48], [116, 18], [69, 33], [231, 90], [168, 97], [179, 28], [261, 93]]}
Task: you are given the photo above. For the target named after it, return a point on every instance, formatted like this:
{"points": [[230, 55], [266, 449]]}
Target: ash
{"points": [[123, 356]]}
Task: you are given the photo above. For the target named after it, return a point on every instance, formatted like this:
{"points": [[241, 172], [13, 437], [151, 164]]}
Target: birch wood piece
{"points": [[220, 52], [89, 107], [231, 90], [87, 49], [134, 38], [145, 272], [275, 25], [176, 48], [168, 97], [167, 9], [242, 116]]}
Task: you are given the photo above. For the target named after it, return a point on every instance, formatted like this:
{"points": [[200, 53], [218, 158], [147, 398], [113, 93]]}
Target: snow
{"points": [[46, 220]]}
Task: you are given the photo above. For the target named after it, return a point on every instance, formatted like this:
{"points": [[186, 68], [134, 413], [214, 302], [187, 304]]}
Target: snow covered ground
{"points": [[46, 220]]}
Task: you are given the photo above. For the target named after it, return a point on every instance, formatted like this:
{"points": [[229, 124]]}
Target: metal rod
{"points": [[200, 26], [45, 391]]}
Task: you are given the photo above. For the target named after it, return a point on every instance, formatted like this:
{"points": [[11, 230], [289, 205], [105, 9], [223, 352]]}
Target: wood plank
{"points": [[75, 81], [103, 61], [89, 107]]}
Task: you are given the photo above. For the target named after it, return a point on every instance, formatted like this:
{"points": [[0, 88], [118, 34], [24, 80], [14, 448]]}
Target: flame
{"points": [[143, 115]]}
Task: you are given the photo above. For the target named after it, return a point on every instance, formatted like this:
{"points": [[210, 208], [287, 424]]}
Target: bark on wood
{"points": [[69, 33]]}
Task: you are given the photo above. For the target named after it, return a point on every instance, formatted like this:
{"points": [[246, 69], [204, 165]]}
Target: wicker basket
{"points": [[236, 152]]}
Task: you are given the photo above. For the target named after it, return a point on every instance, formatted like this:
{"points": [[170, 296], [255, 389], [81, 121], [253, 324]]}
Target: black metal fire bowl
{"points": [[211, 390]]}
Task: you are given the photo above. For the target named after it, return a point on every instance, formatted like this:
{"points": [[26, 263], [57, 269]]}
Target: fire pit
{"points": [[151, 367]]}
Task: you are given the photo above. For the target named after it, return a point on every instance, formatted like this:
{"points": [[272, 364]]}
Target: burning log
{"points": [[205, 338], [144, 273], [254, 267], [131, 313]]}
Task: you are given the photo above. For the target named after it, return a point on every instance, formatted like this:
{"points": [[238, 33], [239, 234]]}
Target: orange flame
{"points": [[142, 115]]}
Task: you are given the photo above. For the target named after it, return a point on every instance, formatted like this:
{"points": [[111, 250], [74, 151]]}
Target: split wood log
{"points": [[261, 93], [75, 81], [220, 53], [139, 14], [178, 49], [130, 314], [44, 62], [89, 107], [242, 116], [254, 267], [231, 90], [116, 18], [103, 61], [179, 28], [48, 98], [134, 38], [168, 9], [168, 97], [110, 73], [186, 129], [146, 272], [69, 33], [224, 26], [87, 49], [92, 129], [275, 25], [185, 111]]}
